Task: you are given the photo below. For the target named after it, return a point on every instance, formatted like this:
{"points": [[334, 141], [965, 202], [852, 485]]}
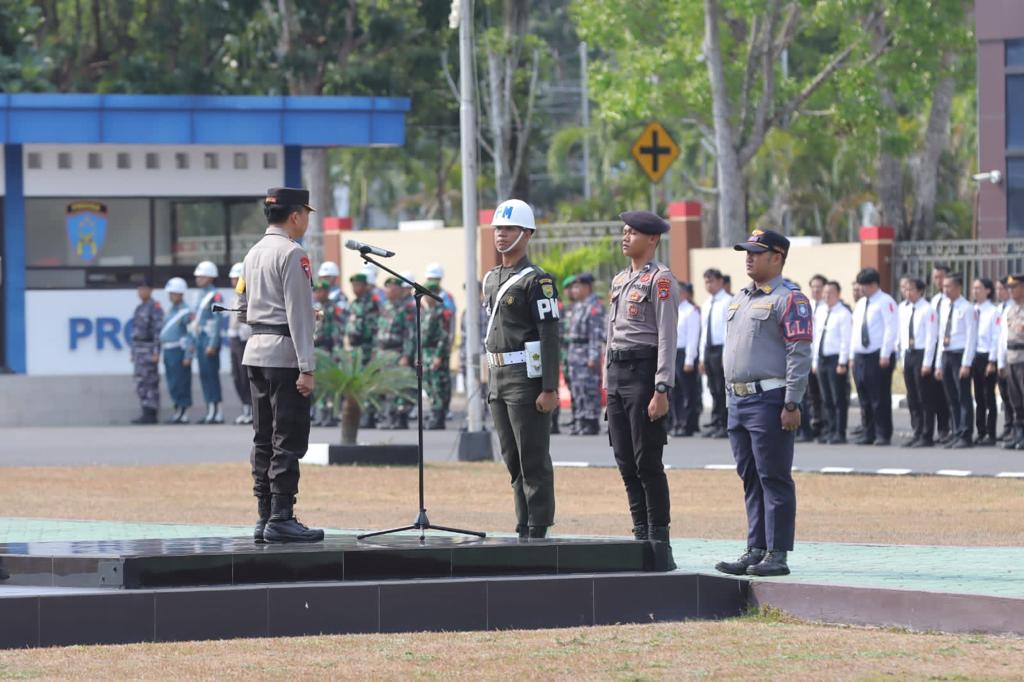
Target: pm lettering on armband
{"points": [[547, 309]]}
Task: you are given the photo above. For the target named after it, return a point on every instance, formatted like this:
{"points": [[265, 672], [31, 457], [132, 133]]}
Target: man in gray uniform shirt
{"points": [[275, 300], [767, 361]]}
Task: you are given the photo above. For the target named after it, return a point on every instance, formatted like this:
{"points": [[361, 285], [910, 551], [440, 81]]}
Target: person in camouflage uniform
{"points": [[586, 343], [146, 324], [361, 330], [464, 359], [437, 346], [396, 332], [563, 353], [328, 335]]}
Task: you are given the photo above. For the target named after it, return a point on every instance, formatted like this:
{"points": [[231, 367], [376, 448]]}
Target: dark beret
{"points": [[359, 277], [760, 241], [585, 278], [288, 196], [645, 221]]}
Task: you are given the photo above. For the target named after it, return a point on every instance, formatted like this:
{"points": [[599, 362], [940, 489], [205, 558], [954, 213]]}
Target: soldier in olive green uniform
{"points": [[435, 328], [396, 332], [522, 352], [361, 329], [328, 336]]}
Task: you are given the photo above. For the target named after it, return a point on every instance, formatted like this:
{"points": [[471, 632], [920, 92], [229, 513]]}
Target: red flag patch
{"points": [[304, 262]]}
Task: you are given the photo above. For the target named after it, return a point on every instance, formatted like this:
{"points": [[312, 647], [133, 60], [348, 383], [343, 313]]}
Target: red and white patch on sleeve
{"points": [[664, 290], [304, 262]]}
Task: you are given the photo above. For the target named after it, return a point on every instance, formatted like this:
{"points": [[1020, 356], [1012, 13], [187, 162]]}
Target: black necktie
{"points": [[824, 331], [949, 328], [711, 323], [913, 310], [938, 311], [865, 335]]}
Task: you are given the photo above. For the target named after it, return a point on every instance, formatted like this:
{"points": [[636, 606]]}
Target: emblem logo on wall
{"points": [[86, 222]]}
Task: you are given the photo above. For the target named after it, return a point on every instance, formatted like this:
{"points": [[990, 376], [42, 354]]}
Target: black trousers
{"points": [[874, 391], [922, 416], [984, 396], [238, 373], [715, 370], [958, 394], [684, 406], [1008, 409], [936, 393], [1015, 389], [637, 442], [280, 420], [835, 396]]}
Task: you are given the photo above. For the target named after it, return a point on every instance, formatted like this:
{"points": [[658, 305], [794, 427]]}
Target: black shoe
{"points": [[752, 556], [774, 563], [923, 443], [864, 440], [640, 532], [857, 431], [720, 433], [1007, 433], [148, 416], [960, 444], [1011, 443], [945, 437], [911, 442], [436, 421], [986, 442], [805, 438], [537, 532], [658, 537], [284, 527], [836, 439], [881, 442], [263, 508], [176, 417], [523, 532], [403, 422], [589, 427]]}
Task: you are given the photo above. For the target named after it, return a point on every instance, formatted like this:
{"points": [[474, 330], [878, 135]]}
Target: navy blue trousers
{"points": [[179, 378], [209, 375], [764, 461]]}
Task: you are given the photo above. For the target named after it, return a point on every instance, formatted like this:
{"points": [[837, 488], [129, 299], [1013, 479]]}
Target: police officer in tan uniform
{"points": [[641, 361], [522, 353], [276, 302]]}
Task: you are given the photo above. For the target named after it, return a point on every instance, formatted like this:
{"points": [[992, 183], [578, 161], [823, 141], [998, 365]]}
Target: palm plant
{"points": [[352, 384]]}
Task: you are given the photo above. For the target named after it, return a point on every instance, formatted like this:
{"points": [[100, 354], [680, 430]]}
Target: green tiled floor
{"points": [[994, 571]]}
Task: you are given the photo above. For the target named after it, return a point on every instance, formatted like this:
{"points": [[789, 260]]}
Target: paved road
{"points": [[142, 445]]}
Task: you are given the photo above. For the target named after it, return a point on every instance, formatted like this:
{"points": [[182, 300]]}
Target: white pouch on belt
{"points": [[534, 369]]}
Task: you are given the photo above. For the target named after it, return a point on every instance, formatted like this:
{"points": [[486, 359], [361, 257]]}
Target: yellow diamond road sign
{"points": [[655, 150]]}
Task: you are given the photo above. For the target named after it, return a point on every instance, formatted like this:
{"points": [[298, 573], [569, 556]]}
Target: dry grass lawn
{"points": [[707, 504], [746, 648]]}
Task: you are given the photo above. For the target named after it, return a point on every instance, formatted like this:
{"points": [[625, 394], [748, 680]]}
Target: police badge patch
{"points": [[548, 289], [664, 289]]}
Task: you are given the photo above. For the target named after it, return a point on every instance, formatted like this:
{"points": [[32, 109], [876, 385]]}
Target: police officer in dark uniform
{"points": [[275, 301], [146, 324], [522, 354], [767, 360], [641, 367]]}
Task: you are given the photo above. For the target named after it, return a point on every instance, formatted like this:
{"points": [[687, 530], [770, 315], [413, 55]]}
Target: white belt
{"points": [[517, 357], [167, 345], [751, 387]]}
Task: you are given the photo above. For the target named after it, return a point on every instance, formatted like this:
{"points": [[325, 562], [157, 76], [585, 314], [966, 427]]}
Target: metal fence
{"points": [[569, 236], [991, 258]]}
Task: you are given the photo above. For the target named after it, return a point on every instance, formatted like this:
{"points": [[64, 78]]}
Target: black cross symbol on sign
{"points": [[655, 150]]}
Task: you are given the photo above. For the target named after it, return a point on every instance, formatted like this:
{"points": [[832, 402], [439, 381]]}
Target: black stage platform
{"points": [[194, 562]]}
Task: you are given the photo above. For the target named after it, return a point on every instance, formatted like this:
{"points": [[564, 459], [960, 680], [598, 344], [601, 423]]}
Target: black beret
{"points": [[585, 278], [288, 196], [760, 241], [645, 221]]}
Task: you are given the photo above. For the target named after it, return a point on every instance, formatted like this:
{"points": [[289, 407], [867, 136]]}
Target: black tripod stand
{"points": [[422, 523]]}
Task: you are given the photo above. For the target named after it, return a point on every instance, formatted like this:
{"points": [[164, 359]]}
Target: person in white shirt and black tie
{"points": [[1003, 302], [685, 403], [712, 339], [983, 369], [811, 429], [937, 392], [916, 348], [958, 340], [830, 359], [873, 340]]}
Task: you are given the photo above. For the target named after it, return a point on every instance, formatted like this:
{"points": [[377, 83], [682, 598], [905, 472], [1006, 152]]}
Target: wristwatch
{"points": [[661, 387], [791, 406]]}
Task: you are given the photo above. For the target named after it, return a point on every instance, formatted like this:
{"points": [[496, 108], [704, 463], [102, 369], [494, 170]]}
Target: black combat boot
{"points": [[640, 533], [1010, 442], [752, 556], [263, 507], [590, 427], [403, 422], [284, 527], [523, 532], [774, 563], [436, 421], [658, 536], [148, 416], [538, 532]]}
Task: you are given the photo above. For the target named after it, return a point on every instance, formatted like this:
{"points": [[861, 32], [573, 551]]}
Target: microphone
{"points": [[367, 248]]}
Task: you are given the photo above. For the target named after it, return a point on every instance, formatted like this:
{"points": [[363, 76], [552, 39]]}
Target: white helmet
{"points": [[236, 271], [408, 274], [176, 285], [328, 269], [205, 269], [514, 212], [371, 273], [434, 271]]}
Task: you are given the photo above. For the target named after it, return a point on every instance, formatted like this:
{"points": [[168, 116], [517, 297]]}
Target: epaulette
{"points": [[791, 285]]}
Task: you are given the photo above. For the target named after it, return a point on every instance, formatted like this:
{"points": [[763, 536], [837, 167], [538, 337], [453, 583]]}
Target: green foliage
{"points": [[343, 376], [598, 258]]}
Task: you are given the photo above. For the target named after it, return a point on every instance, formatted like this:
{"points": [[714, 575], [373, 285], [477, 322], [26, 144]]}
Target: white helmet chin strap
{"points": [[522, 231]]}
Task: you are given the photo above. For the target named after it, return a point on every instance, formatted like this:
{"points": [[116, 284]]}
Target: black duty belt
{"points": [[274, 329], [632, 354], [1015, 345]]}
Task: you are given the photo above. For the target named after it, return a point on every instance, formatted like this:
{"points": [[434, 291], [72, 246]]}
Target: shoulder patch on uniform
{"points": [[304, 262], [548, 288], [796, 321], [664, 289], [240, 287]]}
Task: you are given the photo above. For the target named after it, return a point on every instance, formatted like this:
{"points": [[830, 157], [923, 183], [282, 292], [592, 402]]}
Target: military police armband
{"points": [[544, 299], [796, 321]]}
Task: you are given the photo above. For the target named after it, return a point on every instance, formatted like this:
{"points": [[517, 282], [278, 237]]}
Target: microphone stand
{"points": [[422, 523]]}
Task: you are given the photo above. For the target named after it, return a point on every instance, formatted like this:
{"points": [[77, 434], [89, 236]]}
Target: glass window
{"points": [[1015, 112], [211, 161], [152, 160], [95, 161], [64, 160], [76, 232], [124, 160], [241, 161], [181, 161], [247, 224], [269, 160], [35, 160], [1015, 52], [1015, 197], [190, 230]]}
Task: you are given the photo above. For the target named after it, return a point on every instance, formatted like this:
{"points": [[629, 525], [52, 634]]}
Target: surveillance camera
{"points": [[993, 176]]}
